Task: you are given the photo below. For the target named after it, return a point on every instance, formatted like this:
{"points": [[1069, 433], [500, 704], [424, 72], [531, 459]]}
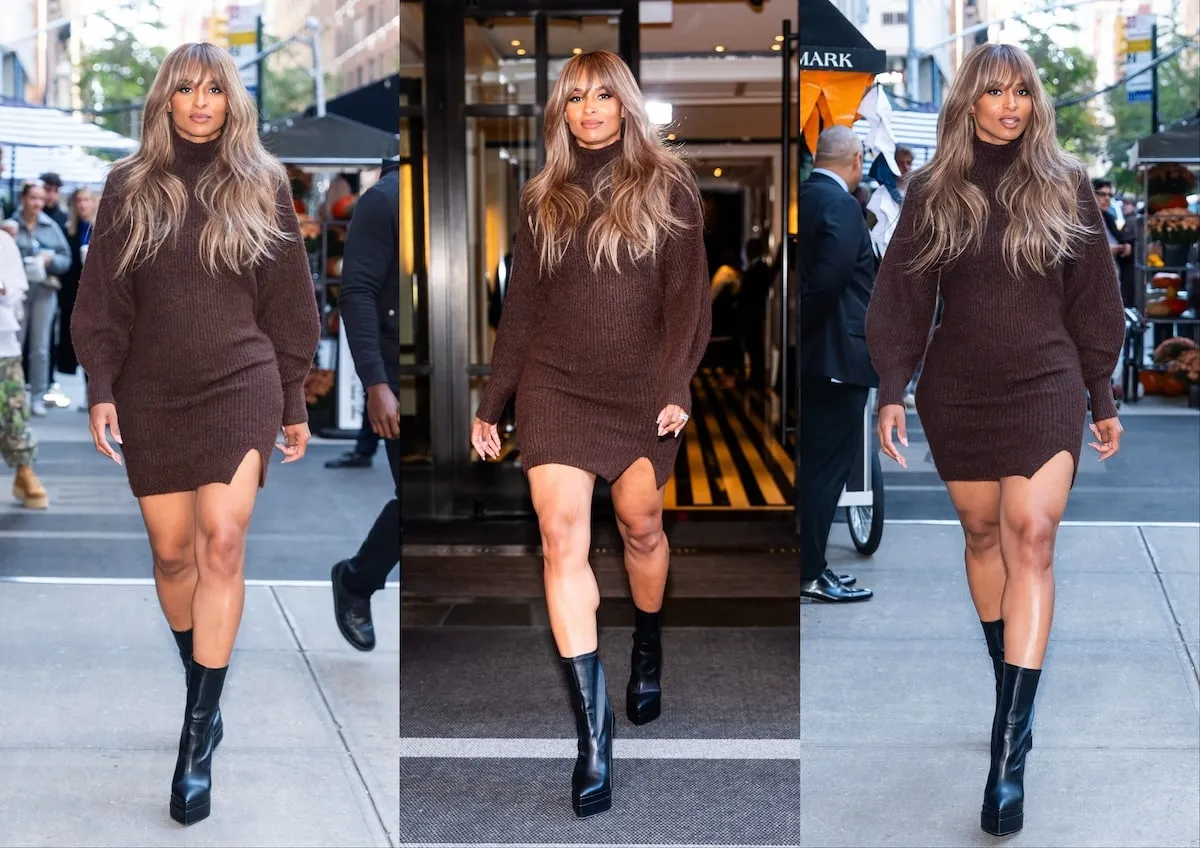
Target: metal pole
{"points": [[912, 67], [258, 89], [1153, 80], [785, 202], [314, 27]]}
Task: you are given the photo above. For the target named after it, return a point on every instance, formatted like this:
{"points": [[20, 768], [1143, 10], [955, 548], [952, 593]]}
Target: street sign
{"points": [[1139, 53], [243, 40]]}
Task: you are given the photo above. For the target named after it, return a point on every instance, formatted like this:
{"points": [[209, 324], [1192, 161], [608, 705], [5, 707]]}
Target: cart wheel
{"points": [[866, 522]]}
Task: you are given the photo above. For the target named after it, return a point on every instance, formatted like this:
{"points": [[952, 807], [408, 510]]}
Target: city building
{"points": [[360, 39]]}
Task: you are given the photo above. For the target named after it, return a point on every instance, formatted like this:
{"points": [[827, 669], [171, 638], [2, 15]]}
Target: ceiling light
{"points": [[577, 50], [776, 47], [779, 38], [516, 42], [720, 48], [717, 172], [521, 51], [670, 136], [659, 112]]}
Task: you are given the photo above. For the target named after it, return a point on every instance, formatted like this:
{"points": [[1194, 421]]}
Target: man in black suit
{"points": [[837, 275], [370, 311]]}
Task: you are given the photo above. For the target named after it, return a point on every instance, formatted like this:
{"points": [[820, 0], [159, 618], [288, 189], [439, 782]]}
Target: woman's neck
{"points": [[31, 222]]}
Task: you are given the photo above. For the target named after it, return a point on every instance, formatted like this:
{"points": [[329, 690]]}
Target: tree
{"points": [[1178, 97], [1065, 71], [287, 86], [116, 75]]}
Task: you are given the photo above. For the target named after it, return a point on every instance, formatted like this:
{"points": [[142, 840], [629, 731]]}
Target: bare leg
{"points": [[638, 503], [171, 524], [1030, 512], [223, 514], [562, 498], [978, 507]]}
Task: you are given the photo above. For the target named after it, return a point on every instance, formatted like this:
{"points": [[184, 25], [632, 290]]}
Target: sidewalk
{"points": [[897, 695], [92, 699]]}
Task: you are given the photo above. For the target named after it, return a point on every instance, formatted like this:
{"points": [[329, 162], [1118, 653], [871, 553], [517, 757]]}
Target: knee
{"points": [[564, 533], [643, 535], [174, 560], [1033, 538], [224, 547], [982, 537]]}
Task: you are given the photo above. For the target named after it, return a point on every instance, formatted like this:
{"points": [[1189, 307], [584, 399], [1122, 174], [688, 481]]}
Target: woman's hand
{"points": [[295, 441], [891, 416], [485, 438], [671, 420], [1108, 437], [104, 415]]}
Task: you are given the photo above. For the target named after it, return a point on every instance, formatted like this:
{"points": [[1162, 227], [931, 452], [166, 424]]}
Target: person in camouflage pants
{"points": [[17, 443]]}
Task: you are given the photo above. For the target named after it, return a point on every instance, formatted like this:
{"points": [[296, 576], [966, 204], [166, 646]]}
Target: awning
{"points": [[837, 67], [76, 169], [376, 104], [1180, 145], [38, 126], [330, 142]]}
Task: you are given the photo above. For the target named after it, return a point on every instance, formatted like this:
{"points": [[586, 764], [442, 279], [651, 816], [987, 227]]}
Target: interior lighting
{"points": [[516, 42], [779, 38], [521, 51], [670, 136], [717, 172], [776, 47], [720, 48], [659, 112]]}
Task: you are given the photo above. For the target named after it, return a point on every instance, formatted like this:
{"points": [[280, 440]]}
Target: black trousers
{"points": [[831, 420], [367, 570]]}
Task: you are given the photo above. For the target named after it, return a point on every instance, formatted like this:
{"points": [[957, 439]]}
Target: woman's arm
{"points": [[687, 304], [519, 318], [901, 309], [102, 320], [1092, 308], [13, 283], [287, 309]]}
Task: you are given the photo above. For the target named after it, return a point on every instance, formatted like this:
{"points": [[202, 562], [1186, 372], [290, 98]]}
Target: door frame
{"points": [[446, 114]]}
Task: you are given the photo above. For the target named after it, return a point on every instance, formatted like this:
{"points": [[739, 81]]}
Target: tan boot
{"points": [[28, 489]]}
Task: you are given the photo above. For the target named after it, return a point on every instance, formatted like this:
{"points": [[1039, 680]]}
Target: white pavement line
{"points": [[588, 845], [625, 749], [951, 522], [134, 535], [149, 581]]}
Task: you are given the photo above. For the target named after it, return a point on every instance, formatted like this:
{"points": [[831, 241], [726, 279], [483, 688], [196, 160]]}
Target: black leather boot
{"points": [[643, 696], [1004, 797], [183, 638], [191, 787], [591, 783], [993, 633]]}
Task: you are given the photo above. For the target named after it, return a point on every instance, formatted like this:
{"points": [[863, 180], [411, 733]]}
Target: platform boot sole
{"points": [[1002, 823], [197, 811]]}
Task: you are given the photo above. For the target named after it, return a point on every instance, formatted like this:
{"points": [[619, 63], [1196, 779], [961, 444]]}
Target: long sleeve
{"points": [[13, 284], [102, 320], [687, 305], [519, 319], [370, 250], [901, 310], [836, 253], [287, 310], [1092, 309]]}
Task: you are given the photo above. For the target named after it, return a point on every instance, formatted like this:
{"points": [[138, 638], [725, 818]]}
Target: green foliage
{"points": [[1065, 71], [287, 87], [1178, 97], [117, 74]]}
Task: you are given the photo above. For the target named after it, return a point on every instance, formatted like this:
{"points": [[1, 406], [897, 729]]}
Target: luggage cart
{"points": [[863, 495]]}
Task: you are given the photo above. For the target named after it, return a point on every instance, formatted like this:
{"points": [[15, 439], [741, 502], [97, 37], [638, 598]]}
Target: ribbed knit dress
{"points": [[202, 369], [594, 356], [1003, 386]]}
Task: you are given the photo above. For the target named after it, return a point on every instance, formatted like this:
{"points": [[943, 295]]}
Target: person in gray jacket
{"points": [[46, 254]]}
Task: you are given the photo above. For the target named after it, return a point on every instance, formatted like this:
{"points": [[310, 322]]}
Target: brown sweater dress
{"points": [[595, 356], [202, 369], [1002, 389]]}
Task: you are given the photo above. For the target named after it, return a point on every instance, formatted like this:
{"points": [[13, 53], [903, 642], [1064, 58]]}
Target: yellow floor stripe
{"points": [[766, 483], [778, 452], [730, 480], [669, 493], [701, 493]]}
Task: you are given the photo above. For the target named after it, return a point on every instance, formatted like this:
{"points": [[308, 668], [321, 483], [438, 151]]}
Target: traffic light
{"points": [[218, 30]]}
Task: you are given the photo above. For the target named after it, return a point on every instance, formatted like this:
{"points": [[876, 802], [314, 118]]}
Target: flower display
{"points": [[1174, 226], [1172, 179]]}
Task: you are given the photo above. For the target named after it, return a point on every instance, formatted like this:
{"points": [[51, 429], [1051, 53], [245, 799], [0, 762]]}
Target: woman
{"points": [[196, 322], [1005, 225], [81, 210], [606, 318], [16, 440], [44, 249]]}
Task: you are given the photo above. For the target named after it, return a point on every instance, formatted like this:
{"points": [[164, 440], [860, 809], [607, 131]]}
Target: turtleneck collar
{"points": [[589, 161], [995, 155], [191, 154]]}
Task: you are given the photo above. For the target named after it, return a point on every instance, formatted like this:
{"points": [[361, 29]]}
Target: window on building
{"points": [[359, 77], [372, 23], [371, 70], [891, 18]]}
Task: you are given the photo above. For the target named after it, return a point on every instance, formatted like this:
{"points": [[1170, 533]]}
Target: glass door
{"points": [[414, 280]]}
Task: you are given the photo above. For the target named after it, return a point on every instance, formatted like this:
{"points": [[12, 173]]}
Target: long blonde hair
{"points": [[635, 190], [237, 189], [1039, 191], [73, 210]]}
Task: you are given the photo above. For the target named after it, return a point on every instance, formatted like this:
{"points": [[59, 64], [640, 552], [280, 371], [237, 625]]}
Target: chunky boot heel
{"points": [[643, 696], [993, 633], [591, 782], [191, 787], [1003, 809], [183, 639]]}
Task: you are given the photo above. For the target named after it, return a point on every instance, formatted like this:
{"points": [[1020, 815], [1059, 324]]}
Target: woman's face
{"points": [[34, 201], [1002, 114], [594, 116], [85, 205], [198, 109]]}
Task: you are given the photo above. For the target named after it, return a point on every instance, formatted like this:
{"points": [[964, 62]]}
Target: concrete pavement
{"points": [[896, 697]]}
